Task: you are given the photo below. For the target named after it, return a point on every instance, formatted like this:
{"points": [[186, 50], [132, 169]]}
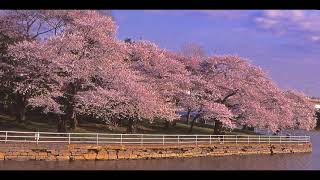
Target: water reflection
{"points": [[299, 161]]}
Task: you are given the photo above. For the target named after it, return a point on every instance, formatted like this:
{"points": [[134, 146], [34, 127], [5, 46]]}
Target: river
{"points": [[299, 161]]}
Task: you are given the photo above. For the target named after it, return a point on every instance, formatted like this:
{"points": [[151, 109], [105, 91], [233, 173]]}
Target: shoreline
{"points": [[66, 152]]}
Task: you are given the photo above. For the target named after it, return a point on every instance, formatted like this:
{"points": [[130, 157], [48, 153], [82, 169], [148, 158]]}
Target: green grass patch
{"points": [[157, 127]]}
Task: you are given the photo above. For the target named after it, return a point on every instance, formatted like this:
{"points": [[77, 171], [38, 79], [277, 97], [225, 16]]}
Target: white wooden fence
{"points": [[103, 138]]}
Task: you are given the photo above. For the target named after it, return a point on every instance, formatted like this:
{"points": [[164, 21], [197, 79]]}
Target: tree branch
{"points": [[223, 100], [42, 33]]}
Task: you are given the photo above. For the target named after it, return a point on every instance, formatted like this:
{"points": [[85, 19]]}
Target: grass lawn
{"points": [[9, 124]]}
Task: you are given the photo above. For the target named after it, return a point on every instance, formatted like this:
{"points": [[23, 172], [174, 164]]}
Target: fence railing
{"points": [[103, 138]]}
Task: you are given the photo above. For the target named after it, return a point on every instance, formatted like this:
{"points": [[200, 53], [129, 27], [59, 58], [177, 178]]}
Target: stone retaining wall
{"points": [[53, 152]]}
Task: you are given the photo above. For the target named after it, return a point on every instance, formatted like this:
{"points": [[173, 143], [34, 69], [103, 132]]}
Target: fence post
{"points": [[69, 138], [269, 140], [178, 139], [6, 136], [97, 138], [259, 139], [37, 137], [210, 139], [196, 139], [248, 139], [141, 139], [162, 139], [121, 139], [280, 139]]}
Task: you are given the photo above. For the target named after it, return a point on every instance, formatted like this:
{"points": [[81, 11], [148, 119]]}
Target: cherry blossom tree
{"points": [[70, 63], [73, 55], [244, 89], [5, 95], [89, 65], [33, 24], [169, 75], [161, 70], [193, 50], [304, 112], [248, 92], [191, 54], [24, 79]]}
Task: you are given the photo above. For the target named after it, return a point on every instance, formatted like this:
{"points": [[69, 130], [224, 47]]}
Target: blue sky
{"points": [[286, 44]]}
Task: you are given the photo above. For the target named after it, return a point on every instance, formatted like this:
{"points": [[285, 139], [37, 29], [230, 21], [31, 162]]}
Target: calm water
{"points": [[300, 161]]}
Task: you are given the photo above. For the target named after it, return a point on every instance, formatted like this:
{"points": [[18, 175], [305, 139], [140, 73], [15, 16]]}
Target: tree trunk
{"points": [[217, 127], [11, 109], [62, 127], [21, 114], [244, 127], [131, 126], [192, 123], [73, 120], [3, 108], [121, 122], [20, 109], [318, 119], [167, 124], [188, 115], [71, 115]]}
